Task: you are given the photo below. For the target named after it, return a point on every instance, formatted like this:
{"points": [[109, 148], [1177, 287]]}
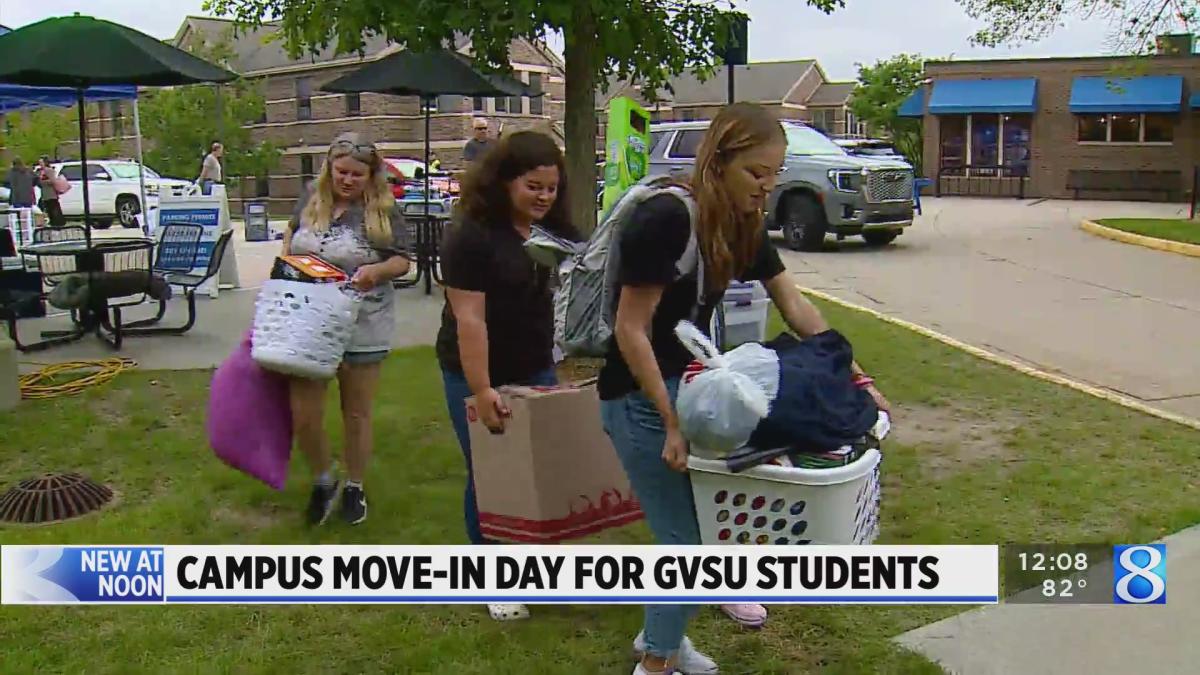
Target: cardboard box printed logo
{"points": [[553, 474]]}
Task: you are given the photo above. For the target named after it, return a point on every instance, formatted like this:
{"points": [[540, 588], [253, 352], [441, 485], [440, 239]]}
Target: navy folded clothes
{"points": [[802, 457], [817, 405]]}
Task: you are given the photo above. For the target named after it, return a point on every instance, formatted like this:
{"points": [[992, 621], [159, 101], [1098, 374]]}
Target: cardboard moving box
{"points": [[553, 474]]}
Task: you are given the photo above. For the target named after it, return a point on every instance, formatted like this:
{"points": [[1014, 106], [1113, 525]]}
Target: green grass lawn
{"points": [[981, 454], [1186, 231]]}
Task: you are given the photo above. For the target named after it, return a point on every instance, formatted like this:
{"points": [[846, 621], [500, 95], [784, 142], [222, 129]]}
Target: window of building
{"points": [[986, 140], [536, 103], [953, 140], [479, 104], [118, 119], [1126, 128], [1093, 128], [304, 98], [501, 104], [516, 105], [353, 105], [449, 103], [1017, 148], [306, 169]]}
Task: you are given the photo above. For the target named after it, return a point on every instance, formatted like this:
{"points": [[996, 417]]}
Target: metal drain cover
{"points": [[52, 497]]}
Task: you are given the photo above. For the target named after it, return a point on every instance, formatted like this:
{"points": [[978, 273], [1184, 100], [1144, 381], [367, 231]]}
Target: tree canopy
{"points": [[1134, 24], [882, 89], [647, 41]]}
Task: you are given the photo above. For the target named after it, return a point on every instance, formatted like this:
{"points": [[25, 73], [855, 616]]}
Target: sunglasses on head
{"points": [[357, 148]]}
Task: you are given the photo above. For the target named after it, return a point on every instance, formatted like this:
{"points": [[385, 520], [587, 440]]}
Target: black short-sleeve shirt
{"points": [[651, 245], [519, 307]]}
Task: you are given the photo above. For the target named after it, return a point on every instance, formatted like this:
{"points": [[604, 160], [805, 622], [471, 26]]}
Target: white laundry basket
{"points": [[303, 329], [781, 505]]}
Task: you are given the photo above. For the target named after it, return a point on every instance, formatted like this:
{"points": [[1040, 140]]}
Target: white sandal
{"points": [[508, 612]]}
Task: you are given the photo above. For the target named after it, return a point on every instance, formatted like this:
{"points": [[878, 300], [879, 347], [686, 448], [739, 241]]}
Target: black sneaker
{"points": [[354, 504], [320, 503]]}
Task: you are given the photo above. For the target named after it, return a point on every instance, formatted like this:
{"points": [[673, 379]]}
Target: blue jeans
{"points": [[457, 392], [638, 434]]}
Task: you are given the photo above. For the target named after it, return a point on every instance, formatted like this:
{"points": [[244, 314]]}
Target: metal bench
{"points": [[1169, 183]]}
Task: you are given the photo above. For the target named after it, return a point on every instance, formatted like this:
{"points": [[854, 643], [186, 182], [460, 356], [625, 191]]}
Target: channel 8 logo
{"points": [[1140, 574]]}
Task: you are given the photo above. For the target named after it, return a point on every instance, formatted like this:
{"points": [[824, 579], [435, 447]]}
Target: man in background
{"points": [[210, 170], [20, 185], [48, 182], [479, 143]]}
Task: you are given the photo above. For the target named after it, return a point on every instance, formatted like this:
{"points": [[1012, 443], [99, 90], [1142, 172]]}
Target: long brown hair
{"points": [[728, 238], [484, 199]]}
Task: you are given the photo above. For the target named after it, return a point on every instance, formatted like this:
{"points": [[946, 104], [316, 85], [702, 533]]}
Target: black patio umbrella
{"points": [[80, 52], [427, 74]]}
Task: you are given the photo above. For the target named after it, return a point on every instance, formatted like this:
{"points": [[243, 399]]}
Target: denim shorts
{"points": [[364, 358]]}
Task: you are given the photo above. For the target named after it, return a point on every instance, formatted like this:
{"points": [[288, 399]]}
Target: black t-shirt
{"points": [[519, 307], [651, 245]]}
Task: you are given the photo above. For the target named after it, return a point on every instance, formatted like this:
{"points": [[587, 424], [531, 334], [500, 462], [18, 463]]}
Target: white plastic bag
{"points": [[718, 407]]}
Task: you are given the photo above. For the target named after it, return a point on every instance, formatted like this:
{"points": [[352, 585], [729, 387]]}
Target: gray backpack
{"points": [[583, 303]]}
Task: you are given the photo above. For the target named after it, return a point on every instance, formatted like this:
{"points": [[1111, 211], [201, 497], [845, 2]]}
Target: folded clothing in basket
{"points": [[781, 394], [804, 457]]}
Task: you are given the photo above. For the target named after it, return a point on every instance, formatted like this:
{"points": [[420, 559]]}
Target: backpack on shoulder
{"points": [[584, 314]]}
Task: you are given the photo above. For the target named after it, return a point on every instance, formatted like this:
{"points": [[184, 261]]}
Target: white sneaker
{"points": [[508, 612], [688, 661]]}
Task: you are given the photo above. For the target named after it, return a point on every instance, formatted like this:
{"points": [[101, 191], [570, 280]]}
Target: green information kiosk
{"points": [[627, 155]]}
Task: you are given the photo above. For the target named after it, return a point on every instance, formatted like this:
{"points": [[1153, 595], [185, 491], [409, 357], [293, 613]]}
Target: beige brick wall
{"points": [[1055, 148]]}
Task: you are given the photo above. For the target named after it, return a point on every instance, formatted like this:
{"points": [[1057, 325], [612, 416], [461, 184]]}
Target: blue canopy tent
{"points": [[15, 98]]}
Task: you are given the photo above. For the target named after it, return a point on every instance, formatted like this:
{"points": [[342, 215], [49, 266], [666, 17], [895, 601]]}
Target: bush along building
{"points": [[1081, 128], [302, 120]]}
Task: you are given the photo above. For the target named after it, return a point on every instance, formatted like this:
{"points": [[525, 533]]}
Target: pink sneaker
{"points": [[747, 616]]}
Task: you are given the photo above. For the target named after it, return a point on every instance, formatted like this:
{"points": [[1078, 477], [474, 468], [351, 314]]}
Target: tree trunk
{"points": [[581, 54]]}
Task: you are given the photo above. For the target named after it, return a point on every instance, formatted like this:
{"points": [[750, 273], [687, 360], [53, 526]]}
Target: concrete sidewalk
{"points": [[1078, 639]]}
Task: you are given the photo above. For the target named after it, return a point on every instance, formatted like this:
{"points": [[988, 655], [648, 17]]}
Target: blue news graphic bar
{"points": [[603, 599]]}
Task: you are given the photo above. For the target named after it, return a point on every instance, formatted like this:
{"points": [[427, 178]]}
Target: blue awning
{"points": [[17, 97], [953, 97], [914, 105], [1152, 93]]}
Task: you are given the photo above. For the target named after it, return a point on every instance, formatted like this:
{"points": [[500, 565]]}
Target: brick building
{"points": [[302, 120], [795, 89], [1042, 127]]}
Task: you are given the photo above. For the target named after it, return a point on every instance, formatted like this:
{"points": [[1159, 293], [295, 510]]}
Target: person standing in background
{"points": [[210, 170], [479, 143], [47, 178], [20, 185]]}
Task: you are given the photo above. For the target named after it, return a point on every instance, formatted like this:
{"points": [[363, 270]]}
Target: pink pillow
{"points": [[250, 418]]}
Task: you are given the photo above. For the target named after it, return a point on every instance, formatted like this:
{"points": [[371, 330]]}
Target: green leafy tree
{"points": [[45, 131], [1134, 24], [180, 123], [882, 89], [648, 40]]}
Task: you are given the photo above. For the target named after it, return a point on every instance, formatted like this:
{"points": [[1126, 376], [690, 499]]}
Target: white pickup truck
{"points": [[113, 190]]}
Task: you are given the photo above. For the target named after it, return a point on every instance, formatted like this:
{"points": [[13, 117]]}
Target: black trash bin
{"points": [[258, 221]]}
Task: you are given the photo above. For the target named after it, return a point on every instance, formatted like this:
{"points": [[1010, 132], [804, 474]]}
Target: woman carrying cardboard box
{"points": [[497, 325], [736, 167]]}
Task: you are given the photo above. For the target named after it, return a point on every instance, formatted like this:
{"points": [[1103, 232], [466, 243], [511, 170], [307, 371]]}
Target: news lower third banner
{"points": [[487, 574]]}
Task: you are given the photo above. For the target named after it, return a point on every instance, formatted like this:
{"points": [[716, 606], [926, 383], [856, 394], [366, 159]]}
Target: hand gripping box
{"points": [[553, 474]]}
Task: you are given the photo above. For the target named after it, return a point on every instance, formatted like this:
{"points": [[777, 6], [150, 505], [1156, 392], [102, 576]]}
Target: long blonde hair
{"points": [[378, 201], [728, 238]]}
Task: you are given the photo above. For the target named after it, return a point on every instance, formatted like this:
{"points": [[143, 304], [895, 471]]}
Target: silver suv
{"points": [[822, 188]]}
